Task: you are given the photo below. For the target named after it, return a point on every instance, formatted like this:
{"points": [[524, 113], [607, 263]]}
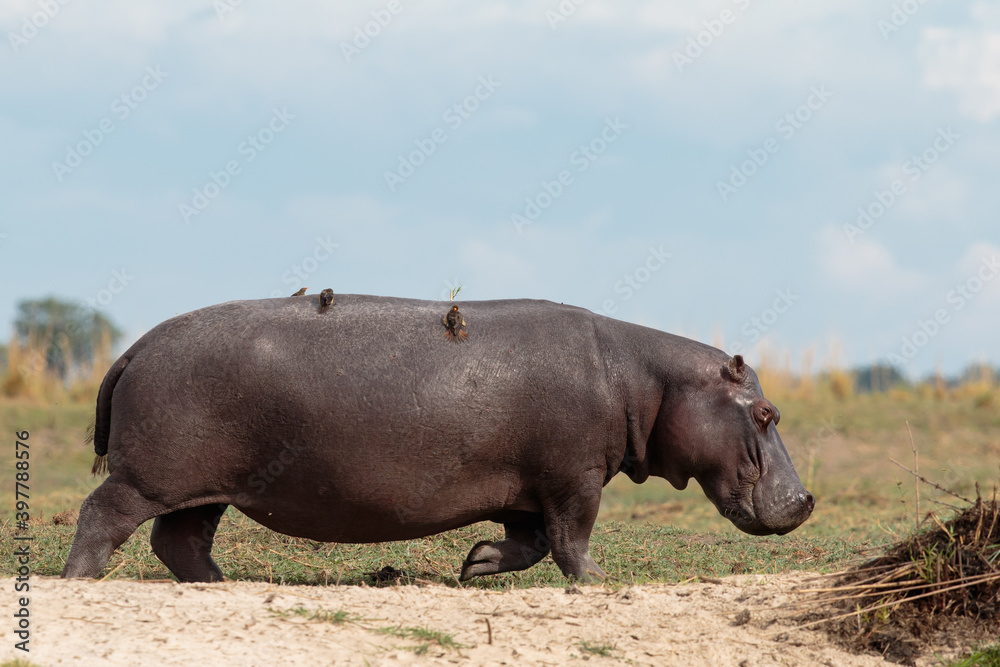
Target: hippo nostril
{"points": [[810, 501]]}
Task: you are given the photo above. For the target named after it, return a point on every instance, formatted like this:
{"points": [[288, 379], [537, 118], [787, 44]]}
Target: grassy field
{"points": [[650, 532]]}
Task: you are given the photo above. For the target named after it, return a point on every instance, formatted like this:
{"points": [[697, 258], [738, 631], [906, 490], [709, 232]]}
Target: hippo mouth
{"points": [[742, 515], [764, 512], [757, 510]]}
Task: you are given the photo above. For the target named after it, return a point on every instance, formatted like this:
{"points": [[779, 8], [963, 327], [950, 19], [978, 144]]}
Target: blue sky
{"points": [[695, 167]]}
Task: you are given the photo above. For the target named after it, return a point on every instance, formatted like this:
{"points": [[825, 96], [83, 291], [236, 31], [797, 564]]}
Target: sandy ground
{"points": [[81, 622]]}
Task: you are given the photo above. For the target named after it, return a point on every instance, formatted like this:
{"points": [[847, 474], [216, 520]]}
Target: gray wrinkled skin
{"points": [[364, 424]]}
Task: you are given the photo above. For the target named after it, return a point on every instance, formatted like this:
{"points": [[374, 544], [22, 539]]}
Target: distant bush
{"points": [[978, 373], [878, 377]]}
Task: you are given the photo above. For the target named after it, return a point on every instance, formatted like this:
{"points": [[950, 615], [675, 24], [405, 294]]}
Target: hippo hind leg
{"points": [[182, 540], [525, 545], [109, 515]]}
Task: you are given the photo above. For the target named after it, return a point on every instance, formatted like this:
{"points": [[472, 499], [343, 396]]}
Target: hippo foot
{"points": [[484, 558], [590, 574], [494, 557]]}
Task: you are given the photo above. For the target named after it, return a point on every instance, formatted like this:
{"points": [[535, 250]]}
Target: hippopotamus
{"points": [[364, 424]]}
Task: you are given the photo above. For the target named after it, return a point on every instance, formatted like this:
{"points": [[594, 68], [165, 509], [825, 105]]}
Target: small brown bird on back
{"points": [[325, 299], [454, 323], [301, 292]]}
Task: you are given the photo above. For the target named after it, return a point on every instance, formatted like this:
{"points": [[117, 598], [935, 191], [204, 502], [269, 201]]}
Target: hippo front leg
{"points": [[526, 544], [569, 520], [563, 528]]}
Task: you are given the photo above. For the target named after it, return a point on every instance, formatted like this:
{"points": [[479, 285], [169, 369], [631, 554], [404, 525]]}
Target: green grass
{"points": [[988, 656], [602, 650], [427, 636], [59, 461], [338, 617], [424, 636], [629, 552]]}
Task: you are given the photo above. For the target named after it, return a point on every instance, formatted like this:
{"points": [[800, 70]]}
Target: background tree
{"points": [[69, 333], [878, 377]]}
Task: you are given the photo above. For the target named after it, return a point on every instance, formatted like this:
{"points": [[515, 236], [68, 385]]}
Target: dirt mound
{"points": [[937, 588], [66, 518], [739, 620]]}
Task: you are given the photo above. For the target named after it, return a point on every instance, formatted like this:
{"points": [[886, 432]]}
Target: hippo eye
{"points": [[765, 414]]}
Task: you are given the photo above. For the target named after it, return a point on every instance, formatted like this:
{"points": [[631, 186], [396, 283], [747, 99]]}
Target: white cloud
{"points": [[865, 267], [967, 61], [974, 254], [978, 266]]}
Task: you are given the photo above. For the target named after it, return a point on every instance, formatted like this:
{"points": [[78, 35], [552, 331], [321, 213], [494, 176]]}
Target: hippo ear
{"points": [[737, 369]]}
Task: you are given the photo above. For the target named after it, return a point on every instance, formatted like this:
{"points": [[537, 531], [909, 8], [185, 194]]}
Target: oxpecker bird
{"points": [[454, 323], [325, 299]]}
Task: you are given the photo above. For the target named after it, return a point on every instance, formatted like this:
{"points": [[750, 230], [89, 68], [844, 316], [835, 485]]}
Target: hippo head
{"points": [[723, 432]]}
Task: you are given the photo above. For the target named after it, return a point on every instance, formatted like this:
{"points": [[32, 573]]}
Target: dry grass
{"points": [[26, 377], [935, 587], [950, 569]]}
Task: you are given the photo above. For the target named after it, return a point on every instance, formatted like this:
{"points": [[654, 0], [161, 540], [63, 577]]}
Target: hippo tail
{"points": [[100, 429]]}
